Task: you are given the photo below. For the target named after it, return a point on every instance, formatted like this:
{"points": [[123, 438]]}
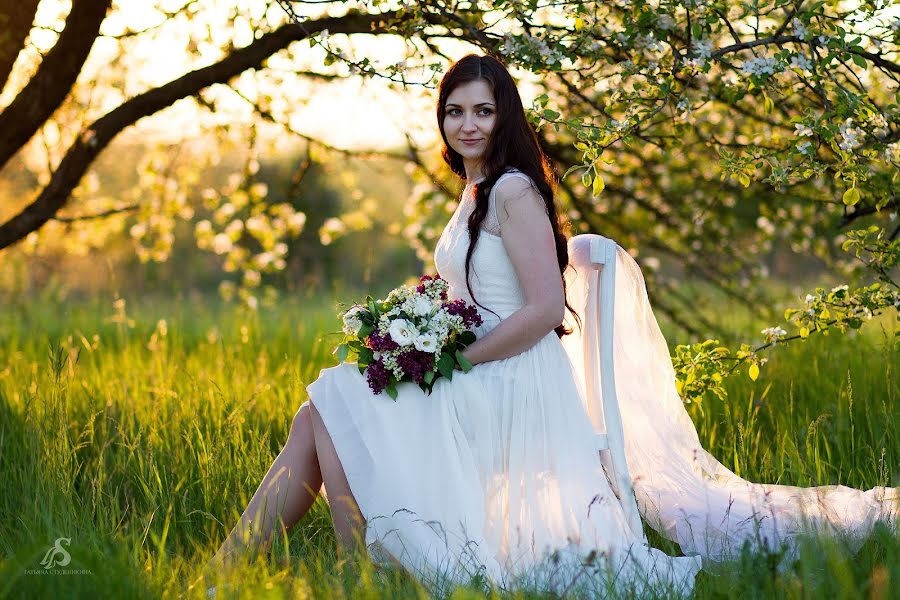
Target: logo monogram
{"points": [[57, 555]]}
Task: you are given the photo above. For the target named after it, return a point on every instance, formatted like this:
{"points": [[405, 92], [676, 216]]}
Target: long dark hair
{"points": [[513, 143]]}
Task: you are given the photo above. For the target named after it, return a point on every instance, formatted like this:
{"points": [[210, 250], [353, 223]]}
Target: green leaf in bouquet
{"points": [[467, 337], [429, 376], [366, 355], [463, 362], [366, 330], [362, 369], [372, 308], [445, 365], [391, 390], [341, 352]]}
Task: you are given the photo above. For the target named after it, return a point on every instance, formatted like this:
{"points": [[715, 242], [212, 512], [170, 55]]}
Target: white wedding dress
{"points": [[497, 472]]}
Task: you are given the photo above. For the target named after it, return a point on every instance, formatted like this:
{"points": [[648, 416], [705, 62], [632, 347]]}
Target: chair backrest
{"points": [[598, 348]]}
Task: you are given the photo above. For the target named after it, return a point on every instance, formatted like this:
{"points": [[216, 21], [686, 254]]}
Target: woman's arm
{"points": [[528, 239]]}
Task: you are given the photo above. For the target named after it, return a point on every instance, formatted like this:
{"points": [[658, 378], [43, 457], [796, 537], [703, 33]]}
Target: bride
{"points": [[497, 473]]}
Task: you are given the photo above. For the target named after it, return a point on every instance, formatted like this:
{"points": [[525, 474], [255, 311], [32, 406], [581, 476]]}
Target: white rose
{"points": [[426, 343], [422, 306], [402, 331]]}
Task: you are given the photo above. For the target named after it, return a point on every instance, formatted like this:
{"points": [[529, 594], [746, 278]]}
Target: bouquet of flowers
{"points": [[416, 334]]}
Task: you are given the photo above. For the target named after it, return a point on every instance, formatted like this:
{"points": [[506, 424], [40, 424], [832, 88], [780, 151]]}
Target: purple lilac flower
{"points": [[378, 376], [381, 343], [469, 314], [415, 363], [421, 287]]}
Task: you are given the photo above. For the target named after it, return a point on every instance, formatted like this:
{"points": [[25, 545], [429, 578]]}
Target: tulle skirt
{"points": [[495, 474]]}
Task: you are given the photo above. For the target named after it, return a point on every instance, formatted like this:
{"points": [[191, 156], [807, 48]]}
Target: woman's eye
{"points": [[487, 111]]}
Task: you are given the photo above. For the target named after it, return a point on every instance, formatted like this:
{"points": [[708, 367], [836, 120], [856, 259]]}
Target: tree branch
{"points": [[99, 134], [100, 215], [54, 78], [15, 23]]}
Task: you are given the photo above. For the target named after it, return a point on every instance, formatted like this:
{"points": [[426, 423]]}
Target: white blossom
{"points": [[665, 22], [892, 152], [799, 28], [801, 129], [352, 322], [702, 48], [422, 306], [759, 65], [801, 62], [851, 136], [805, 148], [774, 332]]}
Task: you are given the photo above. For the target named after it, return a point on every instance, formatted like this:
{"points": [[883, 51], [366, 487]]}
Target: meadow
{"points": [[139, 429]]}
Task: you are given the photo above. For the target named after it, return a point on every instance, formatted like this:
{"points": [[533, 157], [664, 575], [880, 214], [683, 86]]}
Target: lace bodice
{"points": [[492, 276]]}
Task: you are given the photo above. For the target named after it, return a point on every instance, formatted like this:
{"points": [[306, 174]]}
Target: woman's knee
{"points": [[302, 423]]}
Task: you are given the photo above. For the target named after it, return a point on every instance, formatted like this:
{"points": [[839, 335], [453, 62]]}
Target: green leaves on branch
{"points": [[703, 366]]}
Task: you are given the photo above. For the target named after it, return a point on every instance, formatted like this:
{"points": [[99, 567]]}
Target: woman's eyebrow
{"points": [[449, 104]]}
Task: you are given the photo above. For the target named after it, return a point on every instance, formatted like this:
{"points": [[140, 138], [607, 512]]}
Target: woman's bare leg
{"points": [[349, 523], [286, 493]]}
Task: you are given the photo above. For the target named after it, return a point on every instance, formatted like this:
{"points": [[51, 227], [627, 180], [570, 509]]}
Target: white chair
{"points": [[598, 349]]}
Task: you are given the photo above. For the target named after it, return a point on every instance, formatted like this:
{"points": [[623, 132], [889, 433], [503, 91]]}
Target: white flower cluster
{"points": [[698, 5], [895, 25], [892, 152], [801, 129], [702, 48], [513, 46], [805, 148], [809, 300], [802, 62], [851, 136], [650, 43], [761, 64], [799, 28], [665, 22], [352, 319], [774, 333]]}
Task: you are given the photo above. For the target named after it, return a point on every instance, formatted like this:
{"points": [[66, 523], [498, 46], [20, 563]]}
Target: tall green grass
{"points": [[142, 441]]}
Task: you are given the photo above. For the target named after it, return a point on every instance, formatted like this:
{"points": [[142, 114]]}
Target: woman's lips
{"points": [[470, 142]]}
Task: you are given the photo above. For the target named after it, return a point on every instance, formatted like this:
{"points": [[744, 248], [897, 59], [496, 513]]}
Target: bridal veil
{"points": [[682, 491]]}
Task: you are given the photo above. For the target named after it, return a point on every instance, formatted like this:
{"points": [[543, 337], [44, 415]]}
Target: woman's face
{"points": [[469, 116]]}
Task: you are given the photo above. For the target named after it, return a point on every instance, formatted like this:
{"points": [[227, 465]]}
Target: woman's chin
{"points": [[471, 153]]}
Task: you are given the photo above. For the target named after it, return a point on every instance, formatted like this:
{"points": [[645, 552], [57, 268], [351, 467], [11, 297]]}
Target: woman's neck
{"points": [[474, 173]]}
